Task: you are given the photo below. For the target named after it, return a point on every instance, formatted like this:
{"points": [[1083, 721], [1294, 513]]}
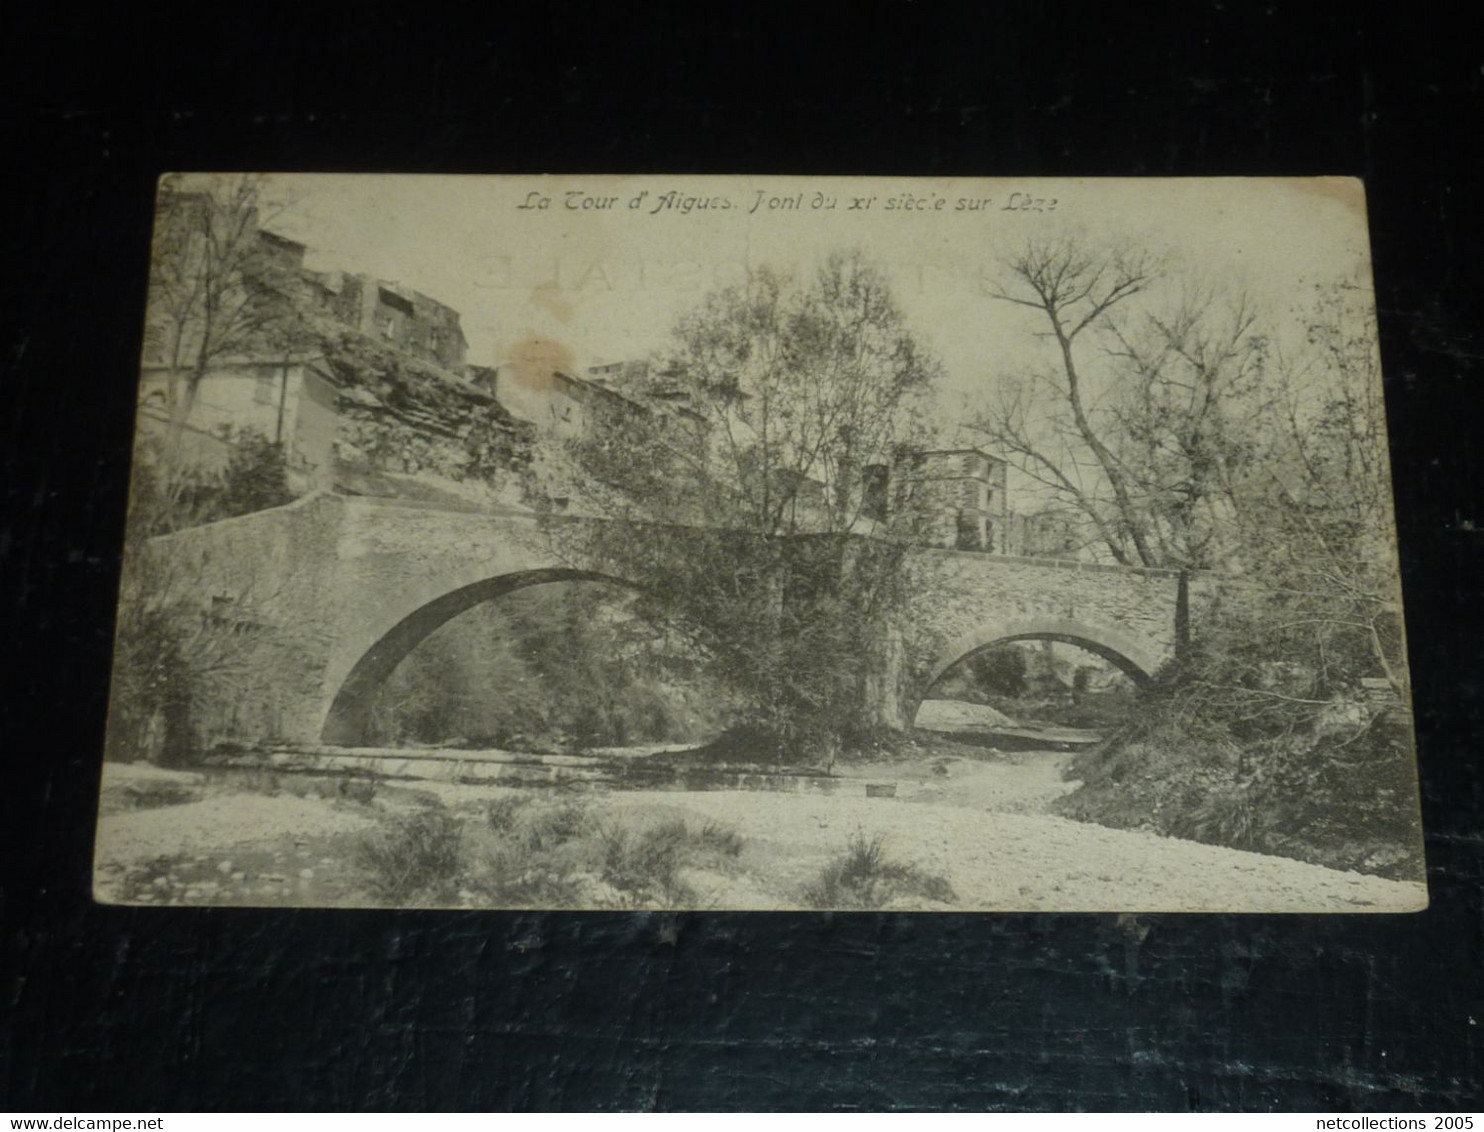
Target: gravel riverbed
{"points": [[978, 822]]}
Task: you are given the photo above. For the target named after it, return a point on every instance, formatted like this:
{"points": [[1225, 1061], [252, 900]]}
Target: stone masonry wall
{"points": [[273, 571], [968, 600], [329, 577]]}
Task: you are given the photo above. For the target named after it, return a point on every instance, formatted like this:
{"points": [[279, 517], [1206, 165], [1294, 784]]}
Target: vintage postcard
{"points": [[600, 542]]}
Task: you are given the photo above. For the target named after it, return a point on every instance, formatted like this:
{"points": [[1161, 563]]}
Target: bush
{"points": [[502, 813], [721, 839], [256, 477], [644, 867], [1342, 801], [564, 668], [418, 861], [999, 671], [529, 864], [542, 853], [152, 795], [547, 828], [361, 791], [151, 700], [864, 878], [516, 879], [182, 672]]}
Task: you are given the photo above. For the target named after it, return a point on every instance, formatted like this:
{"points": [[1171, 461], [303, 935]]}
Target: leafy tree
{"points": [[163, 499], [181, 669], [551, 667], [256, 477], [801, 382], [1000, 671]]}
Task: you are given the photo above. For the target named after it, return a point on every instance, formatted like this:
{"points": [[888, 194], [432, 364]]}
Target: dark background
{"points": [[119, 1009]]}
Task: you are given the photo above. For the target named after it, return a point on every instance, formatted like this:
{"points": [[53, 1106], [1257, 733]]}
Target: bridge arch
{"points": [[1123, 649], [346, 722]]}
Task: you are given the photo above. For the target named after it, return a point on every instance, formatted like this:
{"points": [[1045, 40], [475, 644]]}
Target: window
{"points": [[263, 389], [395, 301], [970, 534]]}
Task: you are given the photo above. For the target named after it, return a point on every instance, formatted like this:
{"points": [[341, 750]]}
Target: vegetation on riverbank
{"points": [[866, 877], [1342, 795], [541, 850]]}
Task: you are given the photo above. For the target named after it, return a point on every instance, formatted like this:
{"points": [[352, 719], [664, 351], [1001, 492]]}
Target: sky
{"points": [[598, 268]]}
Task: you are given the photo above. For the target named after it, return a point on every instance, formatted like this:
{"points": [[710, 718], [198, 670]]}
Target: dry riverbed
{"points": [[972, 821]]}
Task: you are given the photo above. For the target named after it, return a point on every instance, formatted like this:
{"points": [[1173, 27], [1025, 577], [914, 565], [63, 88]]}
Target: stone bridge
{"points": [[347, 586]]}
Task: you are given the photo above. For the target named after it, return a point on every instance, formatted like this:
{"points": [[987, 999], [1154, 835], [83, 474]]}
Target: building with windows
{"points": [[1054, 532], [399, 316], [290, 402], [286, 367], [949, 497], [618, 395], [557, 403]]}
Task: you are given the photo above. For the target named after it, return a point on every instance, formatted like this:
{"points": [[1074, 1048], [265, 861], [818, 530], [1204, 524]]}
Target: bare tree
{"points": [[1316, 508], [1273, 731], [215, 291], [1139, 414]]}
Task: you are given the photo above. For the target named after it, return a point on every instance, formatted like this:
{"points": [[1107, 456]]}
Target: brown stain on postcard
{"points": [[534, 360]]}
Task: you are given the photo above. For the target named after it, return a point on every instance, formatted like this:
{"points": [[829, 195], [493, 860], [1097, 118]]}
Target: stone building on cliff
{"points": [[351, 377]]}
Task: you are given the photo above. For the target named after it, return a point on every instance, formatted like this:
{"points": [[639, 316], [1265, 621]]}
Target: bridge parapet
{"points": [[345, 586], [1075, 565], [968, 601]]}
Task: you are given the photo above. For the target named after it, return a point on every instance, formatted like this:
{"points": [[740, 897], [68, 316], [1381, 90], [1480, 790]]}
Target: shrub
{"points": [[417, 861], [644, 867], [863, 877], [182, 673], [547, 828], [1334, 800], [572, 667], [362, 791], [152, 795], [542, 853], [501, 813], [151, 700], [516, 878], [720, 839], [539, 852], [999, 671], [256, 476]]}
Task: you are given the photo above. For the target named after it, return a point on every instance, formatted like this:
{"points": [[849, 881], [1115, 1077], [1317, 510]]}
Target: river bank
{"points": [[976, 819]]}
